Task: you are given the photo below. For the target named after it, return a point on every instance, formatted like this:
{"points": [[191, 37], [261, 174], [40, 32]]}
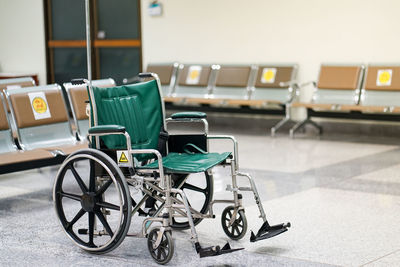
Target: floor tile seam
{"points": [[181, 238], [299, 259], [377, 259], [343, 188]]}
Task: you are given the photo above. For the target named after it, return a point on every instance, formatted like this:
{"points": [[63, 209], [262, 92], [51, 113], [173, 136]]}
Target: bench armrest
{"points": [[189, 115], [107, 129]]}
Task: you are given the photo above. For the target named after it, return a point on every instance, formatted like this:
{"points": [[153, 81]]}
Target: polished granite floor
{"points": [[341, 195]]}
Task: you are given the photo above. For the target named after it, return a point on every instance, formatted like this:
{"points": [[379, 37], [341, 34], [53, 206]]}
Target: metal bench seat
{"points": [[167, 72], [78, 99], [41, 119], [337, 90], [381, 90], [12, 159], [233, 82]]}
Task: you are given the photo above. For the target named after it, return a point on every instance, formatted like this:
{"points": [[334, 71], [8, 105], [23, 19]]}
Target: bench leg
{"points": [[279, 125], [284, 120], [301, 124]]}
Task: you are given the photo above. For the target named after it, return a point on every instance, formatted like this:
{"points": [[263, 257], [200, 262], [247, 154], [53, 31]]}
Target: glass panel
{"points": [[118, 19], [119, 63], [69, 63], [68, 19]]}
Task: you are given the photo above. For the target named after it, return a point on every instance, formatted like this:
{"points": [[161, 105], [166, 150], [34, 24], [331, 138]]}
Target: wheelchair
{"points": [[134, 167]]}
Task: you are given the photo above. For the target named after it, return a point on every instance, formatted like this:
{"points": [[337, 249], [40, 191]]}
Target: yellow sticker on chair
{"points": [[39, 105], [123, 158], [193, 76], [384, 77], [268, 75]]}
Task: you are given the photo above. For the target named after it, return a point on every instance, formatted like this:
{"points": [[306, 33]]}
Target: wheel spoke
{"points": [[193, 188], [92, 178], [159, 253], [104, 222], [104, 187], [237, 229], [78, 178], [91, 227], [108, 205], [164, 243], [80, 213], [71, 196], [163, 253]]}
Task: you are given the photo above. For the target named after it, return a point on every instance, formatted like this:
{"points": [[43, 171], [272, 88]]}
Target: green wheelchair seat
{"points": [[189, 163], [138, 108]]}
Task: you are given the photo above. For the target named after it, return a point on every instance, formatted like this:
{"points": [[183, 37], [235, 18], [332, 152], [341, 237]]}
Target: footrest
{"points": [[214, 251], [268, 231]]}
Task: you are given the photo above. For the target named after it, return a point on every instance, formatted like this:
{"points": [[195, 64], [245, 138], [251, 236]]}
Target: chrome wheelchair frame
{"points": [[154, 183]]}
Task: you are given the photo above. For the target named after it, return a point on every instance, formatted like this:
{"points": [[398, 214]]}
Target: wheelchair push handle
{"points": [[78, 81], [146, 75]]}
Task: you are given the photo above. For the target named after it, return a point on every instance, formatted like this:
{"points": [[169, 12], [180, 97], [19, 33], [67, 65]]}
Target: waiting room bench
{"points": [[78, 99], [11, 158], [167, 73], [15, 83], [272, 89], [12, 84], [41, 119], [337, 93], [264, 88], [193, 82], [381, 90]]}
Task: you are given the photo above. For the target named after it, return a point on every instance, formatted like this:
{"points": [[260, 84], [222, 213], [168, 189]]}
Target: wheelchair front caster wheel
{"points": [[237, 229], [162, 253]]}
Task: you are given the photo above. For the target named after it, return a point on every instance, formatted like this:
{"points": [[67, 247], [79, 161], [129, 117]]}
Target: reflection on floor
{"points": [[342, 198]]}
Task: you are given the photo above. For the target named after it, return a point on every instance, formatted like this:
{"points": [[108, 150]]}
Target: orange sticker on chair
{"points": [[39, 105], [384, 77]]}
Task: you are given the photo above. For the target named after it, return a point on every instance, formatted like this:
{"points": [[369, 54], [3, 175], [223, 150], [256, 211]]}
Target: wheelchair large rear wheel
{"points": [[199, 188], [92, 201]]}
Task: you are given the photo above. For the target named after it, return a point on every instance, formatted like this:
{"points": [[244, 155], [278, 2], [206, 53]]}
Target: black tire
{"points": [[164, 252], [239, 227], [193, 191], [93, 198]]}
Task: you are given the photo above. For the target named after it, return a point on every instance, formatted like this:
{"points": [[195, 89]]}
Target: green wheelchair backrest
{"points": [[138, 107]]}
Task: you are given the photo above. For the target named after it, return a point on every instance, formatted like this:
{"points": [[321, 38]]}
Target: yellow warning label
{"points": [[268, 75], [123, 158], [194, 74], [39, 105], [384, 77]]}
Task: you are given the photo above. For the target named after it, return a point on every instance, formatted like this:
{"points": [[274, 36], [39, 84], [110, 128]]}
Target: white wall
{"points": [[22, 39], [307, 32]]}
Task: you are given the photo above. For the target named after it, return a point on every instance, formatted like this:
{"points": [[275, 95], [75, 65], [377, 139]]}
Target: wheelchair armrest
{"points": [[107, 129], [189, 115]]}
